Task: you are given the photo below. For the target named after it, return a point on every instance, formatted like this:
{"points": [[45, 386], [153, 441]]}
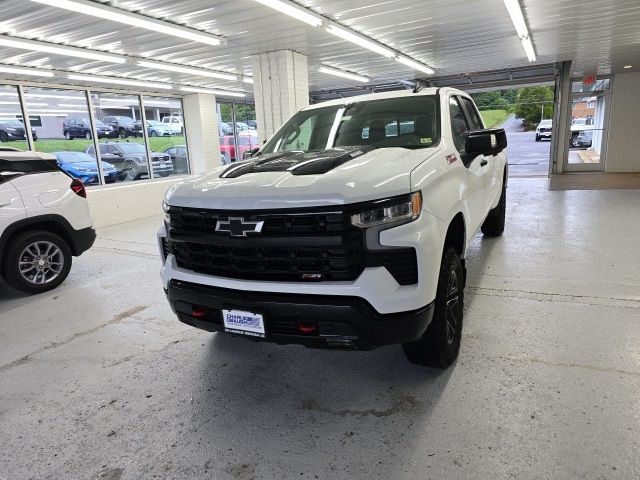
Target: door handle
{"points": [[483, 162]]}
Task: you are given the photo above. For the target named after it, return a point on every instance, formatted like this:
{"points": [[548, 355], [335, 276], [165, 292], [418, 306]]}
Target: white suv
{"points": [[348, 229], [174, 124], [44, 221]]}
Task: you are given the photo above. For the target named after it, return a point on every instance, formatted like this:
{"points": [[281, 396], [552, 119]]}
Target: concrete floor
{"points": [[99, 380]]}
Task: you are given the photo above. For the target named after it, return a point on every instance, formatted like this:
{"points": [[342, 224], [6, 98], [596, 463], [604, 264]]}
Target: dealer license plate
{"points": [[243, 323]]}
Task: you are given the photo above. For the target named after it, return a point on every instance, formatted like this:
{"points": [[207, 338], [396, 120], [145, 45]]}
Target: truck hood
{"points": [[295, 179]]}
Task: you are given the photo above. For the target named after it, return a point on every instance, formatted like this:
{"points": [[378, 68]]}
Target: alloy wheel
{"points": [[41, 262]]}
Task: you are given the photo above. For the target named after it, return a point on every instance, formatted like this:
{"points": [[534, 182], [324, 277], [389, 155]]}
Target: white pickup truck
{"points": [[347, 229]]}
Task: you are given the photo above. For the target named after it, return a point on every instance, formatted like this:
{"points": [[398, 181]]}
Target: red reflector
{"points": [[307, 327], [78, 187], [198, 312]]}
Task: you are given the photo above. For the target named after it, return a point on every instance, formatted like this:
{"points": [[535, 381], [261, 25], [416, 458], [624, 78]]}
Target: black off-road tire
{"points": [[493, 225], [13, 257], [440, 344]]}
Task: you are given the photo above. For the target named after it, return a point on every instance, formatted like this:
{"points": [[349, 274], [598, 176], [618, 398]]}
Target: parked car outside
{"points": [[159, 129], [75, 127], [124, 126], [132, 158], [252, 124], [543, 130], [45, 221], [582, 140], [84, 167], [224, 129], [246, 141], [11, 130], [174, 123], [178, 155], [579, 126]]}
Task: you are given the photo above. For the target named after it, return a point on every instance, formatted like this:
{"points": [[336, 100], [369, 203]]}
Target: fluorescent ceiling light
{"points": [[116, 100], [105, 12], [210, 91], [59, 50], [358, 40], [415, 65], [70, 105], [515, 12], [293, 11], [65, 97], [528, 49], [188, 70], [247, 79], [627, 66], [26, 71], [120, 81], [340, 73]]}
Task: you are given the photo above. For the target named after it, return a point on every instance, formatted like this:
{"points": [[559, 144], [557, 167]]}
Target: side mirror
{"points": [[486, 142], [117, 154], [250, 153]]}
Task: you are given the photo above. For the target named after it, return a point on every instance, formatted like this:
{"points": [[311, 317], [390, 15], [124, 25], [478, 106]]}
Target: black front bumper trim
{"points": [[342, 322]]}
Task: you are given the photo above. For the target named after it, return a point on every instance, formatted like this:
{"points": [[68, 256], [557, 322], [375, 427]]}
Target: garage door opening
{"points": [[526, 114]]}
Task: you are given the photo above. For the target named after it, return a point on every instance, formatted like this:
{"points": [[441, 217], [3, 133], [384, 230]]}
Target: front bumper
{"points": [[338, 321]]}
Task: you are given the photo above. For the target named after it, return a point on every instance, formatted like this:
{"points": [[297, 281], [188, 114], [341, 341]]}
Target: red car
{"points": [[245, 143]]}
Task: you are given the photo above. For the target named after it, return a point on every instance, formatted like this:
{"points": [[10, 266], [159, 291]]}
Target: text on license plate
{"points": [[243, 323]]}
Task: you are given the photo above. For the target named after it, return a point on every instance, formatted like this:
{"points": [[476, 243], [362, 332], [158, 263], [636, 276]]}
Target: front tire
{"points": [[440, 344], [87, 135], [68, 136], [493, 225], [37, 261]]}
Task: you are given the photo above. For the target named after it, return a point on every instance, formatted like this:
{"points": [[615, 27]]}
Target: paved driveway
{"points": [[526, 156]]}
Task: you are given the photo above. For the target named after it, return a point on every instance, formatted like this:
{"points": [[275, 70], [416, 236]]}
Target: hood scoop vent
{"points": [[297, 163]]}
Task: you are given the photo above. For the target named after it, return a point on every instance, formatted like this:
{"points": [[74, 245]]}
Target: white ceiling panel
{"points": [[453, 36]]}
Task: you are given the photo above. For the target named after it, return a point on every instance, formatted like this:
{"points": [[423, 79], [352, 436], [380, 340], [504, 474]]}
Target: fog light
{"points": [[307, 327], [198, 312]]}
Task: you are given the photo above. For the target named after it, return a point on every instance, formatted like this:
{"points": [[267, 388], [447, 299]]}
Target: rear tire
{"points": [[87, 135], [26, 250], [493, 225], [440, 344], [537, 138]]}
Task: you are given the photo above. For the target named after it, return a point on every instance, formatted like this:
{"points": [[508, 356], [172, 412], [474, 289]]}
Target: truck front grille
{"points": [[301, 246]]}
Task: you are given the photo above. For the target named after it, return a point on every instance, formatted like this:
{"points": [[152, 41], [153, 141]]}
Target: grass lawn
{"points": [[158, 144], [493, 118]]}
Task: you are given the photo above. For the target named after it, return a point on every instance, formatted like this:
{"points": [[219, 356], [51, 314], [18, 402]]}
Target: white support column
{"points": [[561, 124], [201, 125], [281, 88]]}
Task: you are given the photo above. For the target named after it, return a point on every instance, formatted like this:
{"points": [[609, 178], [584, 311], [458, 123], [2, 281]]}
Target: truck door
{"points": [[476, 175], [495, 179]]}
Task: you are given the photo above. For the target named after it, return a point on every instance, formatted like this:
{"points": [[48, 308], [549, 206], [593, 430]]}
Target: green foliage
{"points": [[244, 112], [533, 104], [495, 100], [494, 118]]}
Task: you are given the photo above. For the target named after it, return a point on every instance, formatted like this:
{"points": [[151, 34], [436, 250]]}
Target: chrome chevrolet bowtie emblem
{"points": [[238, 227]]}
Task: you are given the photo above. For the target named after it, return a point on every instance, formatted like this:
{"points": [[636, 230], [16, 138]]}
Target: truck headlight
{"points": [[403, 210], [167, 216]]}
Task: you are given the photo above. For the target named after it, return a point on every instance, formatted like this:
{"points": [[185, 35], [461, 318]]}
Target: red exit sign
{"points": [[589, 78]]}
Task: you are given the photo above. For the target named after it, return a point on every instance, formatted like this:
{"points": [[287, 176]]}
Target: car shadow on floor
{"points": [[277, 399]]}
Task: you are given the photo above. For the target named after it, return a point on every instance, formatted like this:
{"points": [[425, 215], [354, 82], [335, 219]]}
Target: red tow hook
{"points": [[198, 312], [307, 327]]}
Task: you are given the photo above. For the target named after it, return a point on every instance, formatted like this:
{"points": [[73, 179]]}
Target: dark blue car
{"points": [[83, 167]]}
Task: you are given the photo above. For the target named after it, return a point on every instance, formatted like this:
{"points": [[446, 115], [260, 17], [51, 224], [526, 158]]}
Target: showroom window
{"points": [[121, 145], [237, 130], [61, 124], [12, 130], [166, 132]]}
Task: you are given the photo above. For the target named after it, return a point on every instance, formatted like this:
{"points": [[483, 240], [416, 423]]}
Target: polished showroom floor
{"points": [[99, 380]]}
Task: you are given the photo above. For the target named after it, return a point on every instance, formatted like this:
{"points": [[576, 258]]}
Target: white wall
{"points": [[127, 202], [623, 147]]}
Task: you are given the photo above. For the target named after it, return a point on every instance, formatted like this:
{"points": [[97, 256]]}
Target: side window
{"points": [[459, 125], [474, 116], [91, 151], [104, 149]]}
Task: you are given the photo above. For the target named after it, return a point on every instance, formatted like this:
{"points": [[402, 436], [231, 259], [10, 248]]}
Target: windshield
{"points": [[408, 122], [125, 120], [131, 148], [74, 157], [153, 122], [545, 123]]}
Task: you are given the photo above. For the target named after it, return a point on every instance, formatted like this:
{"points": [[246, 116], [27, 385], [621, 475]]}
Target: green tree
{"points": [[533, 104]]}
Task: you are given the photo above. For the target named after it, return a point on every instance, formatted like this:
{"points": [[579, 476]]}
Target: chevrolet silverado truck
{"points": [[347, 229]]}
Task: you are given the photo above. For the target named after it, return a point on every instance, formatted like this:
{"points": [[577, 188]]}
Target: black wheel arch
{"points": [[52, 223], [456, 237]]}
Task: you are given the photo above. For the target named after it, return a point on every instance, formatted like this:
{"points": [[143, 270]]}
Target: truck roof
{"points": [[379, 96]]}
